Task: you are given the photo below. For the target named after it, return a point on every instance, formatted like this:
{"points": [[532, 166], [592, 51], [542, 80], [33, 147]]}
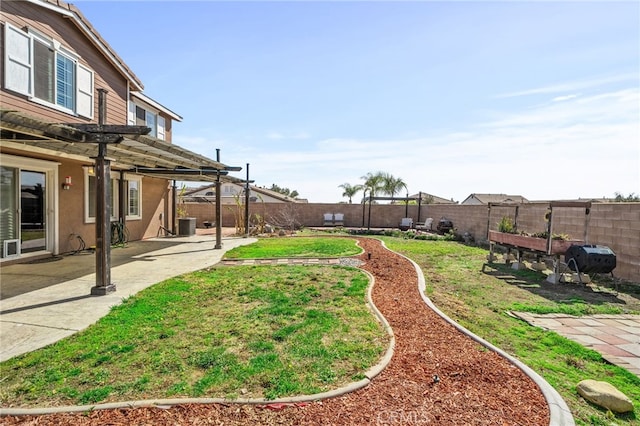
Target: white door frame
{"points": [[50, 169]]}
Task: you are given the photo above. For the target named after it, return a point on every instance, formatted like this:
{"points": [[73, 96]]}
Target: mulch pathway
{"points": [[437, 376]]}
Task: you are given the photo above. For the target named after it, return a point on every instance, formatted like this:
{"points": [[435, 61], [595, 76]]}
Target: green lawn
{"points": [[296, 247], [248, 331], [286, 330], [480, 301]]}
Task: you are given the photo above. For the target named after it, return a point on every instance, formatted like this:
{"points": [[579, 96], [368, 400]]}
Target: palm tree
{"points": [[350, 190], [393, 185], [374, 183]]}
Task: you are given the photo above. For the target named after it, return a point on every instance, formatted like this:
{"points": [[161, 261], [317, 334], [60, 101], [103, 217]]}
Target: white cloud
{"points": [[564, 98], [573, 85]]}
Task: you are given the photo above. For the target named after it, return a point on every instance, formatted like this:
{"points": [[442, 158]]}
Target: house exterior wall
{"points": [[155, 204]]}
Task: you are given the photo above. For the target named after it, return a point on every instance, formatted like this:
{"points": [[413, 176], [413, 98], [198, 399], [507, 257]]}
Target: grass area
{"points": [[480, 300], [295, 247], [251, 331]]}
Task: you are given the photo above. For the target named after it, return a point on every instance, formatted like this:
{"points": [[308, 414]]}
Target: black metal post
{"points": [[218, 205], [246, 204], [406, 206], [419, 205], [123, 198], [174, 201], [364, 205], [369, 221]]}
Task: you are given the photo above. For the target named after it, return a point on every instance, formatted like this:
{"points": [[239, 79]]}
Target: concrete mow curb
{"points": [[559, 413], [166, 403]]}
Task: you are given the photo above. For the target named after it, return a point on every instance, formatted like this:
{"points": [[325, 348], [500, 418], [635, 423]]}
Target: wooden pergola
{"points": [[130, 148]]}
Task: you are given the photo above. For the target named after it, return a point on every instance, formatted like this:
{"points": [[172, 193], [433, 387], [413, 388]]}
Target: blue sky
{"points": [[540, 99]]}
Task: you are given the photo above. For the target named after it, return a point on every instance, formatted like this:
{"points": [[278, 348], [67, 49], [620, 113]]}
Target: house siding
{"points": [[24, 14]]}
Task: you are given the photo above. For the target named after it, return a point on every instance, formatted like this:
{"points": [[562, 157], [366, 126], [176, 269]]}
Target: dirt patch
{"points": [[437, 376]]}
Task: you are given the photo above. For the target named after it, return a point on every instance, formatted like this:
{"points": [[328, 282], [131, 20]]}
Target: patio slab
{"points": [[615, 337]]}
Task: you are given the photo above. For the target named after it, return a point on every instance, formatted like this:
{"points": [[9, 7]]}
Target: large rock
{"points": [[605, 395]]}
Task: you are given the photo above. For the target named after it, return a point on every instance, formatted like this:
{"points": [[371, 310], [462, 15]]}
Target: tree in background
{"points": [[392, 185], [631, 197], [383, 183], [284, 191], [350, 190], [373, 183]]}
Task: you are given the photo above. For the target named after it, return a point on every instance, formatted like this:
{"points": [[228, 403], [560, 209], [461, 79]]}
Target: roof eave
{"points": [[73, 13]]}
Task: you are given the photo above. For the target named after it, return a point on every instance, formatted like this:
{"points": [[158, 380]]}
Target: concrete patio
{"points": [[46, 300]]}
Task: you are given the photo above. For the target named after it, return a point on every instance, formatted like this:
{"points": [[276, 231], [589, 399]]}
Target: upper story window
{"points": [[139, 116], [41, 68]]}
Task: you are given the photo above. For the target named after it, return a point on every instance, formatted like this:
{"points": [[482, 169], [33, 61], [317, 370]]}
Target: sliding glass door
{"points": [[9, 239], [33, 226], [27, 206]]}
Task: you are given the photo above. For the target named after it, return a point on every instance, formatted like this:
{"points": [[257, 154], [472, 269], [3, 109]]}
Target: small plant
{"points": [[545, 234], [181, 210], [506, 225]]}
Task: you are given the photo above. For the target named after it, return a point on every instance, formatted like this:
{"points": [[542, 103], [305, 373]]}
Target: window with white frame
{"points": [[139, 116], [90, 190], [132, 196], [41, 68]]}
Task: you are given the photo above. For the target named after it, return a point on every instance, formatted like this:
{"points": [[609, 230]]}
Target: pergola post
{"points": [[103, 224], [103, 209], [174, 208], [246, 204], [218, 206]]}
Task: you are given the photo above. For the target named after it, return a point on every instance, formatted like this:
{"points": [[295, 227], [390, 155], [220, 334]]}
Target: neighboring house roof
{"points": [[433, 199], [73, 13], [494, 198], [203, 192]]}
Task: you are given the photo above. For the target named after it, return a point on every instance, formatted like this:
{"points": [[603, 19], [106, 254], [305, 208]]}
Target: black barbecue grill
{"points": [[444, 226], [590, 258]]}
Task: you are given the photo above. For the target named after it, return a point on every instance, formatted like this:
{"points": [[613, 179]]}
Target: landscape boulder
{"points": [[605, 395]]}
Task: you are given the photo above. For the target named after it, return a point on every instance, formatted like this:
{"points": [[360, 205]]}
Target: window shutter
{"points": [[18, 60], [84, 105], [161, 127]]}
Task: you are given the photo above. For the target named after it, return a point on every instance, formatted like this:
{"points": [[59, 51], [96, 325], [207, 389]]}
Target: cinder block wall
{"points": [[615, 225]]}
